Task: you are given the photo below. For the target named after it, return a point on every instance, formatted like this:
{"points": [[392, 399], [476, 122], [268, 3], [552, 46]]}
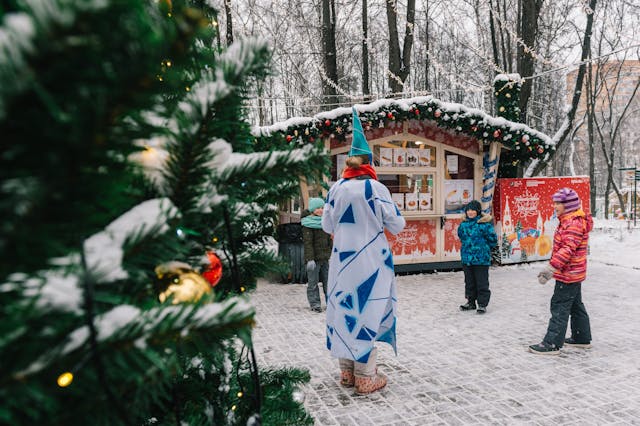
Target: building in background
{"points": [[614, 83]]}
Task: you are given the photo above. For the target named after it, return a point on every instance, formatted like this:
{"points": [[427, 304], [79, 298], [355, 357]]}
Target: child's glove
{"points": [[545, 275], [311, 265]]}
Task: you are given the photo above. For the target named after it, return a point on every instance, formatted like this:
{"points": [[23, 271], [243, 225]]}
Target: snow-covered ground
{"points": [[458, 367], [615, 242]]}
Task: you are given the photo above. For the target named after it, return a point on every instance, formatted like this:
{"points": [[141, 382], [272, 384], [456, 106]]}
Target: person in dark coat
{"points": [[317, 250], [477, 236]]}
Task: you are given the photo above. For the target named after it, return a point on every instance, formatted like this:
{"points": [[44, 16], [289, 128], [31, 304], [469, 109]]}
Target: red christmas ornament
{"points": [[214, 272], [390, 116], [417, 111], [540, 150], [289, 138], [327, 123], [496, 134], [438, 113]]}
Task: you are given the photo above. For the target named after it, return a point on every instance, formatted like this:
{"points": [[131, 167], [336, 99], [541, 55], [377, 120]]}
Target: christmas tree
{"points": [[137, 208]]}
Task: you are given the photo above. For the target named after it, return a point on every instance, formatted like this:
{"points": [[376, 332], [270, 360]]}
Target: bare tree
{"points": [[567, 124], [365, 51], [330, 80], [609, 116], [227, 12], [527, 32], [399, 60], [590, 95], [492, 29], [426, 45]]}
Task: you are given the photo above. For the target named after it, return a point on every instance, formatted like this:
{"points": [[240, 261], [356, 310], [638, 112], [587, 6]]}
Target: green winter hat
{"points": [[359, 145], [315, 203]]}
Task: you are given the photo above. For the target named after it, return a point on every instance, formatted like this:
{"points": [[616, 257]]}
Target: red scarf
{"points": [[364, 169]]}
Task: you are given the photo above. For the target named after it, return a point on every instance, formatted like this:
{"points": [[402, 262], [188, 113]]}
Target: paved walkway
{"points": [[457, 367]]}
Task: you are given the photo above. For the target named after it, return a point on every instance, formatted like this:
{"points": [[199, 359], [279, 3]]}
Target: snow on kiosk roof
{"points": [[524, 142]]}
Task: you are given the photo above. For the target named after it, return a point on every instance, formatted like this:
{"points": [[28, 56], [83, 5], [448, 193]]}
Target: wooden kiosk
{"points": [[434, 157]]}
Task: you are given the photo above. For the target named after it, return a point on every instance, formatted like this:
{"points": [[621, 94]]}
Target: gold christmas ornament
{"points": [[502, 109], [185, 285]]}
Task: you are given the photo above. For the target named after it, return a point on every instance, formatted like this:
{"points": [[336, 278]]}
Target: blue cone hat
{"points": [[359, 145]]}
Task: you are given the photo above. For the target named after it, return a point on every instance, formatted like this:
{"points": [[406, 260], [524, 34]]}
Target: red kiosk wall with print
{"points": [[524, 217]]}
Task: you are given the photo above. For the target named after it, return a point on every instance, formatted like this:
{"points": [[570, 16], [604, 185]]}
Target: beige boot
{"points": [[367, 379], [347, 378]]}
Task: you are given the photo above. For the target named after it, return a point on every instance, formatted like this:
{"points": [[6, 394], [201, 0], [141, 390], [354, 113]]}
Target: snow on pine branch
{"points": [[16, 42], [224, 162], [60, 288], [103, 251], [229, 162], [54, 289], [130, 323], [19, 31]]}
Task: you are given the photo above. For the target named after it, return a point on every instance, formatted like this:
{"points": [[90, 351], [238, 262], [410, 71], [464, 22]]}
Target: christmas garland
{"points": [[524, 142]]}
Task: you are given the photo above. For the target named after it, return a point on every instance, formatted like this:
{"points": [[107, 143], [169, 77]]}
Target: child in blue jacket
{"points": [[477, 236]]}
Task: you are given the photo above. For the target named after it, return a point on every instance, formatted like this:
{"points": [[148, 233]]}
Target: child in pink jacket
{"points": [[568, 265]]}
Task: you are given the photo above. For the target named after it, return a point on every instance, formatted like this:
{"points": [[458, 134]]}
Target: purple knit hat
{"points": [[569, 198]]}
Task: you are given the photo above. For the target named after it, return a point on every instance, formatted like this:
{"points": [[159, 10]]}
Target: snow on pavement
{"points": [[458, 367]]}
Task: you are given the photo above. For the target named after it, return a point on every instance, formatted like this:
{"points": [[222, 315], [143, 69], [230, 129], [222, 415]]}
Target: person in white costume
{"points": [[361, 305]]}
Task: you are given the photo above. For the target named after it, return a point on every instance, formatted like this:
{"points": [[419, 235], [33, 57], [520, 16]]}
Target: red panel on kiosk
{"points": [[417, 240], [524, 216]]}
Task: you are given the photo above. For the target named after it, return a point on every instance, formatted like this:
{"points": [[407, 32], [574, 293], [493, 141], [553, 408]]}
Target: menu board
{"points": [[458, 193]]}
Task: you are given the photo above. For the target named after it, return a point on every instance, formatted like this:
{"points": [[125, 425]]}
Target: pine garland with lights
{"points": [[526, 143], [121, 295]]}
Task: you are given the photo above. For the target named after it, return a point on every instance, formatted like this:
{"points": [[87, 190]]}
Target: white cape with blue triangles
{"points": [[361, 302]]}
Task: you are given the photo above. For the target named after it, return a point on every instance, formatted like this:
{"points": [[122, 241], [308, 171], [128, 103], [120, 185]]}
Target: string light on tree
{"points": [[65, 379]]}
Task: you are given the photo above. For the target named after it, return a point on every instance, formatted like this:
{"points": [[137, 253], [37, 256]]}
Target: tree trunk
{"points": [[365, 52], [590, 135], [565, 129], [399, 60], [505, 65], [606, 195], [426, 46], [492, 30], [508, 51], [227, 12], [528, 34], [329, 52]]}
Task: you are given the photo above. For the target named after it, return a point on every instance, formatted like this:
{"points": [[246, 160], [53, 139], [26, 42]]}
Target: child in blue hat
{"points": [[477, 237]]}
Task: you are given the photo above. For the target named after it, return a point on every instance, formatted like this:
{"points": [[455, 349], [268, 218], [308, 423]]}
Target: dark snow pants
{"points": [[567, 302], [476, 283]]}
